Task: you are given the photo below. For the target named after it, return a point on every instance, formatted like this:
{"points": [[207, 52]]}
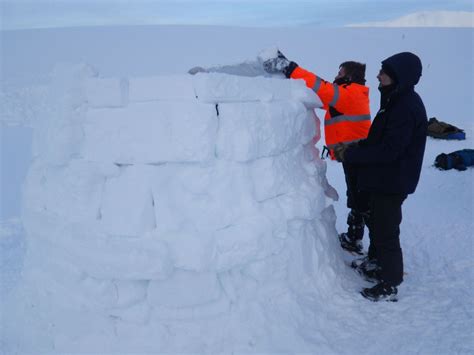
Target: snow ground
{"points": [[435, 311]]}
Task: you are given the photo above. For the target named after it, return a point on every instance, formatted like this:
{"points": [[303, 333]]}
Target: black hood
{"points": [[407, 68]]}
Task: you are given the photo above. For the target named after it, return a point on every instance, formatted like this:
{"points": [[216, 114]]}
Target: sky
{"points": [[23, 14]]}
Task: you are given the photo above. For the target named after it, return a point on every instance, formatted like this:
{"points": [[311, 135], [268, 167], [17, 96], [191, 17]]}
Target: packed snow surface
{"points": [[165, 213]]}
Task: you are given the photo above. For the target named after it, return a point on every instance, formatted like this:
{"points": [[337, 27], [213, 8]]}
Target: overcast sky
{"points": [[20, 14]]}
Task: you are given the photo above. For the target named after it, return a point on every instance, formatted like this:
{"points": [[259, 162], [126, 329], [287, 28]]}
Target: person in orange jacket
{"points": [[347, 120]]}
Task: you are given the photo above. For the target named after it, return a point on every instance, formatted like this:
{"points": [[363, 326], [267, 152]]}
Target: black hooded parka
{"points": [[390, 158]]}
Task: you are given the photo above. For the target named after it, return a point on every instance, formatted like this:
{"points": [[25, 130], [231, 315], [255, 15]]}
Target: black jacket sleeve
{"points": [[391, 136]]}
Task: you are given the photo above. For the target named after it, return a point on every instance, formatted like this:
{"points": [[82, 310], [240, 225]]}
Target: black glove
{"points": [[339, 151], [279, 64]]}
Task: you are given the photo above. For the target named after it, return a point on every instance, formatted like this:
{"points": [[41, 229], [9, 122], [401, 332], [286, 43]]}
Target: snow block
{"points": [[202, 197], [204, 312], [253, 130], [300, 92], [105, 257], [89, 293], [161, 88], [222, 88], [219, 88], [130, 293], [245, 242], [199, 254], [135, 314], [99, 255], [127, 203], [150, 133], [72, 192], [185, 289], [57, 139], [275, 176], [106, 92]]}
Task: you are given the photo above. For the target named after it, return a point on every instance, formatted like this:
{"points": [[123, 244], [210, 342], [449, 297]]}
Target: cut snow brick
{"points": [[245, 242], [221, 88], [105, 257], [202, 196], [300, 92], [152, 132], [127, 203], [185, 289], [217, 88], [161, 88], [204, 312], [72, 192], [274, 176], [253, 130], [111, 92]]}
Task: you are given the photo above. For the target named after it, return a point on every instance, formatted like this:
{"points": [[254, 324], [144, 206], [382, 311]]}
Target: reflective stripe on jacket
{"points": [[347, 108]]}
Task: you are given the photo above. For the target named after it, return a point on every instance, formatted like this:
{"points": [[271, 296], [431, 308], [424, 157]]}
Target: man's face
{"points": [[340, 74], [384, 79]]}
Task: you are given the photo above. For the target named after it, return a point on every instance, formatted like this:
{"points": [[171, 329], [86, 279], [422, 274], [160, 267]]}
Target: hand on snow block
{"points": [[278, 63]]}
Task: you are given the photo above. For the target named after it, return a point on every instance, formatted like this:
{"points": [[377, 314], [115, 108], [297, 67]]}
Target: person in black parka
{"points": [[389, 165]]}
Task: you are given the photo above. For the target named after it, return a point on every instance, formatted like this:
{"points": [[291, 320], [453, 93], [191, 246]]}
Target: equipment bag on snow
{"points": [[443, 130], [459, 160]]}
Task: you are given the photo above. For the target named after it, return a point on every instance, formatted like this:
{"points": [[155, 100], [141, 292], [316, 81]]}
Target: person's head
{"points": [[386, 76], [351, 72], [402, 70]]}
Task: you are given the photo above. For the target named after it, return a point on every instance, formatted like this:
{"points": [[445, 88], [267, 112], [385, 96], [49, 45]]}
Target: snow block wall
{"points": [[165, 212]]}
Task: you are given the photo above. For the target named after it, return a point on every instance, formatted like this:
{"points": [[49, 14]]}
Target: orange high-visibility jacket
{"points": [[347, 108]]}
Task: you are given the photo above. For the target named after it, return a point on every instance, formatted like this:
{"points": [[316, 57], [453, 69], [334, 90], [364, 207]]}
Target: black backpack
{"points": [[458, 160]]}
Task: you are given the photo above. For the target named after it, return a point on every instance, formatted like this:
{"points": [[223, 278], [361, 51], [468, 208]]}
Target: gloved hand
{"points": [[339, 151], [196, 70], [279, 64]]}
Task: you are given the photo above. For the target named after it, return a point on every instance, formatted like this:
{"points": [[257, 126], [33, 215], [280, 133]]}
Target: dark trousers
{"points": [[357, 201], [384, 234]]}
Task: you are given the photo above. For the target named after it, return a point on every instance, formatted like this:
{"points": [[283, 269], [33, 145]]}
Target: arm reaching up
{"points": [[269, 63]]}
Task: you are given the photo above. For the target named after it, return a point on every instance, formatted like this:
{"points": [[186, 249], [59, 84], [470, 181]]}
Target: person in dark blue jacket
{"points": [[389, 163]]}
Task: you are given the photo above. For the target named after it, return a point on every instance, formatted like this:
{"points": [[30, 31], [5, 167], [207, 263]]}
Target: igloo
{"points": [[176, 214]]}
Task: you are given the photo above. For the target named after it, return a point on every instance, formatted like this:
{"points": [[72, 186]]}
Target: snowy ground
{"points": [[435, 312]]}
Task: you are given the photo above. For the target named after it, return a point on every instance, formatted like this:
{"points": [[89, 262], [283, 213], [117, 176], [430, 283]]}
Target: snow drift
{"points": [[174, 211]]}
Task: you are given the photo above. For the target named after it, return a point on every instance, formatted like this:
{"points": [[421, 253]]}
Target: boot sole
{"points": [[367, 278], [391, 298], [354, 252]]}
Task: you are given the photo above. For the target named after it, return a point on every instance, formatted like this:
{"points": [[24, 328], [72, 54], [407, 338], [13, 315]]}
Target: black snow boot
{"points": [[368, 269], [351, 245], [352, 239], [381, 292]]}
